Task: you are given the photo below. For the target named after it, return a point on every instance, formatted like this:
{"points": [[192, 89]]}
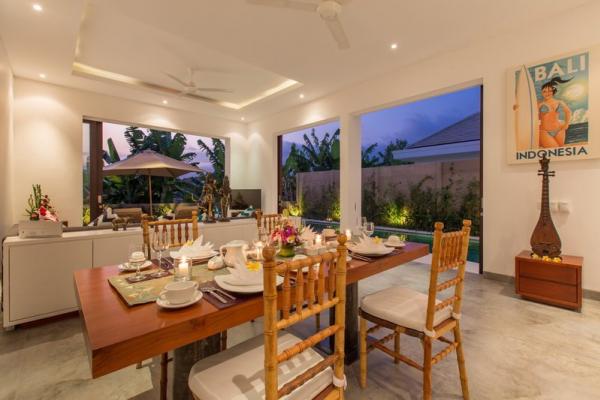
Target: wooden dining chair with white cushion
{"points": [[405, 311], [177, 233], [292, 368]]}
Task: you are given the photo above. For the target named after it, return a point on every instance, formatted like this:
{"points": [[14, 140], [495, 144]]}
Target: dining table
{"points": [[118, 335]]}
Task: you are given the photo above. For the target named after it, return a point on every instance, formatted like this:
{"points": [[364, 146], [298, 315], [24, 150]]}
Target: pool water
{"points": [[409, 236]]}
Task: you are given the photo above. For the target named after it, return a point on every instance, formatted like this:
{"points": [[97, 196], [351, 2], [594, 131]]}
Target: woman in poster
{"points": [[552, 129]]}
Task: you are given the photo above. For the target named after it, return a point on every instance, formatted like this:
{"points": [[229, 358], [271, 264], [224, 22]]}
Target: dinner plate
{"points": [[395, 245], [221, 282], [165, 304], [371, 253], [125, 267], [177, 254]]}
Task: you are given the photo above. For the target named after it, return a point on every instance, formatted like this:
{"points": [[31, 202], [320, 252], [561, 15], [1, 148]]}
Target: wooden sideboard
{"points": [[38, 273], [548, 282]]}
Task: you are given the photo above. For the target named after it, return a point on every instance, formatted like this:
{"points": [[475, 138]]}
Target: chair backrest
{"points": [[268, 221], [321, 286], [449, 252], [175, 237]]}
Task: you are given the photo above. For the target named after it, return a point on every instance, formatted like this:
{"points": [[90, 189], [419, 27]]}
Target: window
{"points": [[309, 178], [421, 164], [106, 143]]}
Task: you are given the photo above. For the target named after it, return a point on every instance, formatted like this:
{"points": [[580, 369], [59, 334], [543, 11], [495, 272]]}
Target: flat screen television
{"points": [[244, 198]]}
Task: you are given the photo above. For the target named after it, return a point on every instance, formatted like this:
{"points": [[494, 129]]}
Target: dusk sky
{"points": [[412, 121], [115, 131]]}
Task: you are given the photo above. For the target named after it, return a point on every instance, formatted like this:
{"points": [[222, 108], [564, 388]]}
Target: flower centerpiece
{"points": [[39, 207], [288, 238]]}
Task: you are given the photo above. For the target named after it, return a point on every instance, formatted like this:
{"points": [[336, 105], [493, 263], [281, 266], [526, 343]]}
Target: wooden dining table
{"points": [[118, 335]]}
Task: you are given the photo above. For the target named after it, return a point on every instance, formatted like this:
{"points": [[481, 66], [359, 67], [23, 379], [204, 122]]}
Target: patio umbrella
{"points": [[150, 163]]}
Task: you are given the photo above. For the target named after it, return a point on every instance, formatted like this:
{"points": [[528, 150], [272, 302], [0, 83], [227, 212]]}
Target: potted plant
{"points": [[43, 219]]}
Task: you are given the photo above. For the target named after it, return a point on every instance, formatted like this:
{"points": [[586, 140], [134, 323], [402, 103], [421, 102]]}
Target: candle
{"points": [[184, 268], [318, 240], [348, 234]]}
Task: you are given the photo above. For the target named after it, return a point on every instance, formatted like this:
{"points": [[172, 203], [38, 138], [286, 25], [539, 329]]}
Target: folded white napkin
{"points": [[240, 277], [308, 234], [235, 281], [366, 243], [196, 248]]}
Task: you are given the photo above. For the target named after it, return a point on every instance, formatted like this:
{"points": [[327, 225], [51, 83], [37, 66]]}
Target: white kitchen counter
{"points": [[38, 272]]}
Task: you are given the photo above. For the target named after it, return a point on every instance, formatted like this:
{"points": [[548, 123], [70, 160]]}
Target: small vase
{"points": [[287, 251]]}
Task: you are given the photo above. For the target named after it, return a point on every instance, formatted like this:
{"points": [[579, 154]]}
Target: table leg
{"points": [[351, 332], [185, 357]]}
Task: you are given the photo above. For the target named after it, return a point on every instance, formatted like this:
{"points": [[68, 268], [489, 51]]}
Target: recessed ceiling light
{"points": [[243, 118], [43, 76], [165, 102], [394, 46], [301, 95], [37, 7]]}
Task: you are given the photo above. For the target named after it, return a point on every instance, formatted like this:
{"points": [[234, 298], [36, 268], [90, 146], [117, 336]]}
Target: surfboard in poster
{"points": [[549, 105]]}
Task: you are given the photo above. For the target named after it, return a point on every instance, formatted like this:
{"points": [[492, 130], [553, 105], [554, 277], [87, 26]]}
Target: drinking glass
{"points": [[363, 224], [136, 259], [263, 235], [160, 244], [369, 228]]}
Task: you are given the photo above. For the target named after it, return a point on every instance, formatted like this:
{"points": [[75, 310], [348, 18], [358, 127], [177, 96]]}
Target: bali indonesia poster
{"points": [[549, 105]]}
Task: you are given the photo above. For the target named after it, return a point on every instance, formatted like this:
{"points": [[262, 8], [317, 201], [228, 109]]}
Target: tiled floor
{"points": [[514, 350]]}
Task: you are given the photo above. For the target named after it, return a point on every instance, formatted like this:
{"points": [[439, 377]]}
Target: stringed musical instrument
{"points": [[545, 241]]}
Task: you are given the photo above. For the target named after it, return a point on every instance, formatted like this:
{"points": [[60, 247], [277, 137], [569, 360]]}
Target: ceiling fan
{"points": [[328, 10], [190, 87]]}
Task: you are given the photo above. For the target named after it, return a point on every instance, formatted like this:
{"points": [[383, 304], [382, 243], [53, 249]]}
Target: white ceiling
{"points": [[249, 49]]}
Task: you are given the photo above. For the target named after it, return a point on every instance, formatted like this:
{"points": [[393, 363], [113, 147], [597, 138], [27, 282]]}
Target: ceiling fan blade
{"points": [[293, 4], [215, 70], [337, 31], [176, 79], [200, 89]]}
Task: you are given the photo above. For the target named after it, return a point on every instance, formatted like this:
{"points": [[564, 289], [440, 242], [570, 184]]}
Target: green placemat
{"points": [[148, 291]]}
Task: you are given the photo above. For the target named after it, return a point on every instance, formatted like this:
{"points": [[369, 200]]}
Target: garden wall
{"points": [[398, 177]]}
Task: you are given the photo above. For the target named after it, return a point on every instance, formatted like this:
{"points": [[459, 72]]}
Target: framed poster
{"points": [[549, 109]]}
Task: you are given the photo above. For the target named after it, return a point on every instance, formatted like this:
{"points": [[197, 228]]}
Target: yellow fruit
{"points": [[557, 259]]}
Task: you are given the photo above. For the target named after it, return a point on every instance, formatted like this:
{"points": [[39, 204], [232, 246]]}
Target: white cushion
{"points": [[402, 306], [238, 372]]}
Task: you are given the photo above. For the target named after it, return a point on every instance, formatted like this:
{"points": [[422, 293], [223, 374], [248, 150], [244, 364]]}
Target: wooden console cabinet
{"points": [[557, 284]]}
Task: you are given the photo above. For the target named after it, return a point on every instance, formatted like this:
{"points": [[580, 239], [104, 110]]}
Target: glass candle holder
{"points": [[182, 269]]}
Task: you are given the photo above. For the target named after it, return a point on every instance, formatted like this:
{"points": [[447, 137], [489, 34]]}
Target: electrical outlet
{"points": [[564, 207]]}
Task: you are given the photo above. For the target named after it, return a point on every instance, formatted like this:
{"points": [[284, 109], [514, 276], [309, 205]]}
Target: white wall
{"points": [[510, 192], [48, 139], [6, 133]]}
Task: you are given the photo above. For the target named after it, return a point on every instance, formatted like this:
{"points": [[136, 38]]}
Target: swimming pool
{"points": [[406, 235]]}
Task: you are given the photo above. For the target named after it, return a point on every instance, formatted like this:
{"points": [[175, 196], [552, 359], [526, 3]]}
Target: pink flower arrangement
{"points": [[286, 235]]}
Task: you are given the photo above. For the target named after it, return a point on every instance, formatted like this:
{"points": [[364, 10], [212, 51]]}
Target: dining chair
{"points": [[178, 233], [292, 368], [176, 230], [424, 316], [268, 221]]}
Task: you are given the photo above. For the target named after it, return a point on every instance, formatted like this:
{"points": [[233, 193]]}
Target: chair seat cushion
{"points": [[238, 372], [402, 306]]}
